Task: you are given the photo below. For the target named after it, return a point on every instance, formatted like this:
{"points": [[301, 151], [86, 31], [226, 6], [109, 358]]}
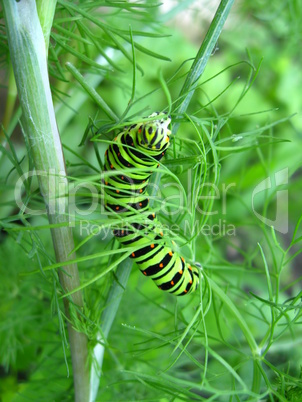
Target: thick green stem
{"points": [[10, 101], [46, 11], [28, 56], [204, 53], [185, 96]]}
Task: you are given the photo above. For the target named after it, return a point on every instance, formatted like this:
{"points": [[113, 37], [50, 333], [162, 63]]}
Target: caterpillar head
{"points": [[155, 133]]}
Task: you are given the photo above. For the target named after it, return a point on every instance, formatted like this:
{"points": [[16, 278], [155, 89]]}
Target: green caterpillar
{"points": [[130, 161]]}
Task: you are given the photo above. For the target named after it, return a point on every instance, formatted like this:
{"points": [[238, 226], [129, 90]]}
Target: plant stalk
{"points": [[204, 53], [28, 55]]}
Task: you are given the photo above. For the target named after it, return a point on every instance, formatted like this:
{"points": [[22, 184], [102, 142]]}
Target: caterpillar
{"points": [[129, 162]]}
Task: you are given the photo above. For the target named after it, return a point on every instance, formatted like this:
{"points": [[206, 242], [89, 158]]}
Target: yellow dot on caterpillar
{"points": [[117, 191], [172, 283], [133, 254], [161, 265], [152, 246], [170, 253], [145, 273], [180, 272]]}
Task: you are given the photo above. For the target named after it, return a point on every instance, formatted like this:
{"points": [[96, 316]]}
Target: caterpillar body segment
{"points": [[130, 161]]}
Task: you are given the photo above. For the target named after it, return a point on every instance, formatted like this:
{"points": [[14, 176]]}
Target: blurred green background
{"points": [[251, 88]]}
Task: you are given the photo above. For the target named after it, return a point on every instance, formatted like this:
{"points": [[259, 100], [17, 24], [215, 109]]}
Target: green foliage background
{"points": [[240, 337]]}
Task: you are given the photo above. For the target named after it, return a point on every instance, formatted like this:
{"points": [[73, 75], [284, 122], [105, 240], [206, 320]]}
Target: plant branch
{"points": [[46, 11], [28, 56], [124, 269], [204, 53]]}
